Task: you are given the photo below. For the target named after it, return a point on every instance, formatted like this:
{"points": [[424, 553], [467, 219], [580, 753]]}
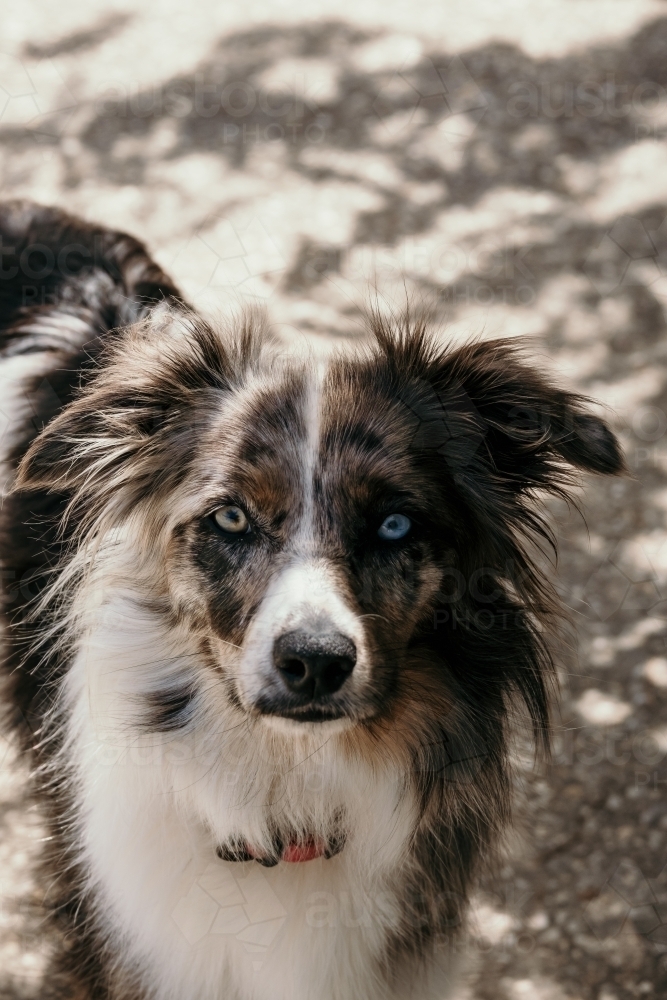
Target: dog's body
{"points": [[269, 622]]}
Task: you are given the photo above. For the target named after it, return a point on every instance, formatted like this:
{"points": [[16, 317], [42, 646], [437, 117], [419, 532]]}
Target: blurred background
{"points": [[503, 162]]}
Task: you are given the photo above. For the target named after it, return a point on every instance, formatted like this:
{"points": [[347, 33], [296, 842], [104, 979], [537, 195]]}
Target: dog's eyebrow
{"points": [[375, 494]]}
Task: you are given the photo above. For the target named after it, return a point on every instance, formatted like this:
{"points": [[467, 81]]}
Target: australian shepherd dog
{"points": [[271, 623]]}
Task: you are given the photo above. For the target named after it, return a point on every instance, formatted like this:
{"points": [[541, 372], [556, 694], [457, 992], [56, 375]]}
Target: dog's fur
{"points": [[139, 639]]}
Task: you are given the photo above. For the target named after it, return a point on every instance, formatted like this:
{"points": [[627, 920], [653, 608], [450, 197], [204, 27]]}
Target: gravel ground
{"points": [[504, 163]]}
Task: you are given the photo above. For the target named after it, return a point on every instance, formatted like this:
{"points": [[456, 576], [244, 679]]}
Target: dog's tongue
{"points": [[305, 850], [308, 850]]}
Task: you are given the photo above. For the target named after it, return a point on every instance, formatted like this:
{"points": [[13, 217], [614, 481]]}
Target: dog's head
{"points": [[347, 542]]}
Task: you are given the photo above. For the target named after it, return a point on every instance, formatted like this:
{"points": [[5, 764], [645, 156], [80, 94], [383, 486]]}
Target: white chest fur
{"points": [[151, 809]]}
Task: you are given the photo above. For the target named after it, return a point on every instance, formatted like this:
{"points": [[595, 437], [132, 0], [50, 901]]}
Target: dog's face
{"points": [[342, 540], [314, 542]]}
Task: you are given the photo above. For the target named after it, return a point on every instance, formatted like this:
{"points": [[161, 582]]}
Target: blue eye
{"points": [[394, 527]]}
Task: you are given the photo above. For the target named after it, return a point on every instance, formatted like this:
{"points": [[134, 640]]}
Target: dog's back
{"points": [[65, 287]]}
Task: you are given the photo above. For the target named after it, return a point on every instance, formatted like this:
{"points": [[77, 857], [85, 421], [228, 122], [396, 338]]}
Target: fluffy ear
{"points": [[531, 428], [493, 426], [151, 392], [489, 413]]}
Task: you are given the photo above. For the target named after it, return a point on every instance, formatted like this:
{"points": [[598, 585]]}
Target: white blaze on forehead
{"points": [[307, 595], [311, 449]]}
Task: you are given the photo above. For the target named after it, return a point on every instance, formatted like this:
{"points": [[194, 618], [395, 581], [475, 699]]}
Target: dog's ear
{"points": [[495, 419], [133, 427], [494, 426], [529, 429]]}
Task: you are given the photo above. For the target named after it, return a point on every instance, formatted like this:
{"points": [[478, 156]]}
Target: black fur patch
{"points": [[169, 710]]}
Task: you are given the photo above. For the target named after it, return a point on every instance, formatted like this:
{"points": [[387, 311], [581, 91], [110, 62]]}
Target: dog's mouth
{"points": [[290, 849], [311, 712]]}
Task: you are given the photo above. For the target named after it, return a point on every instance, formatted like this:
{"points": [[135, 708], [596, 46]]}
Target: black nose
{"points": [[314, 665]]}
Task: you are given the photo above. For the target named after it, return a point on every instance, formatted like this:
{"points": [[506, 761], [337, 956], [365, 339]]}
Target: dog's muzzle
{"points": [[312, 670]]}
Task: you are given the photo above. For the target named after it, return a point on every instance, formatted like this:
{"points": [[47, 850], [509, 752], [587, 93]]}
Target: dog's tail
{"points": [[65, 285], [53, 265]]}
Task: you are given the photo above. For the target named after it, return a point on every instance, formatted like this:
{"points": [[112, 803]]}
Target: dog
{"points": [[272, 626]]}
